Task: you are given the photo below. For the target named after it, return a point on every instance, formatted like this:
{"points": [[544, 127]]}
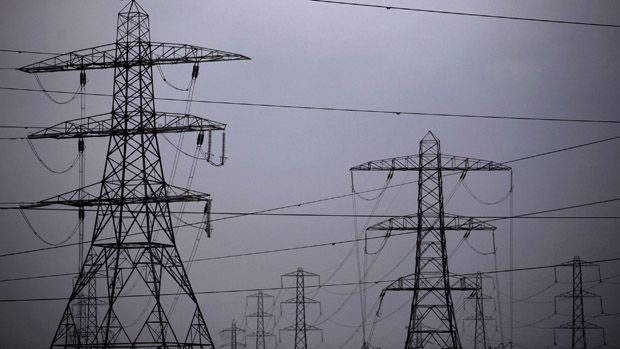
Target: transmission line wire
{"points": [[47, 167], [333, 242], [351, 110], [468, 14]]}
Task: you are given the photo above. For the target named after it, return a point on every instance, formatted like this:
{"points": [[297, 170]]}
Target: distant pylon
{"points": [[300, 300], [260, 316], [432, 321], [234, 330], [578, 324], [480, 319]]}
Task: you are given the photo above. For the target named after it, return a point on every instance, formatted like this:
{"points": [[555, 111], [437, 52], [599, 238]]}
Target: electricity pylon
{"points": [[133, 240], [260, 316], [234, 330], [432, 320], [578, 324], [300, 300], [480, 319]]}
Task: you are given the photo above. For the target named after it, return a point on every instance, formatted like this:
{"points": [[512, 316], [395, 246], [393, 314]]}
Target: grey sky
{"points": [[326, 55]]}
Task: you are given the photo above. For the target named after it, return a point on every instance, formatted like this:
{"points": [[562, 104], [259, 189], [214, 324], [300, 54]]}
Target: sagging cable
{"points": [[36, 233], [49, 96], [40, 159]]}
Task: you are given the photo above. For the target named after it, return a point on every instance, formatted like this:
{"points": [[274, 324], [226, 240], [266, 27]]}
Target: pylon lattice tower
{"points": [[234, 331], [300, 300], [480, 318], [432, 321], [133, 200], [260, 316], [578, 324]]}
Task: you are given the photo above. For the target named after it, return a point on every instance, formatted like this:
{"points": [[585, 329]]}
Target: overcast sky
{"points": [[316, 54]]}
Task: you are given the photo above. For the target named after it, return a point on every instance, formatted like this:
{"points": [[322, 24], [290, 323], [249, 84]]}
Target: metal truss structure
{"points": [[300, 300], [133, 245], [578, 324], [432, 321], [480, 318], [260, 316], [233, 331]]}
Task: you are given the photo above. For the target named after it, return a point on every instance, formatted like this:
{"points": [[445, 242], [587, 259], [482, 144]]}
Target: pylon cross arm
{"points": [[586, 325], [266, 334], [448, 163], [451, 222], [72, 198], [407, 283], [102, 125], [104, 57]]}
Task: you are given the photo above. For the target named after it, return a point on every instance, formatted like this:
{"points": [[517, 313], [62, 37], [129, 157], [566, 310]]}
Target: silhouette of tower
{"points": [[480, 319], [234, 330], [133, 241], [578, 324], [260, 316], [300, 300], [432, 320]]}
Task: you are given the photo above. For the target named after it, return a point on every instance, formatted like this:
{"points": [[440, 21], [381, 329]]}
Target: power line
{"points": [[336, 109], [276, 288], [30, 52], [468, 14], [293, 248], [328, 215], [343, 195], [563, 149], [263, 212]]}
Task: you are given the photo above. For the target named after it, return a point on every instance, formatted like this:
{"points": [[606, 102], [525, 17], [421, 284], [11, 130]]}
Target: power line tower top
{"points": [[133, 240], [432, 321]]}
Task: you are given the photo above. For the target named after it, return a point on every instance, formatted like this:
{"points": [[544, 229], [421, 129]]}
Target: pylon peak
{"points": [[133, 7], [430, 136]]}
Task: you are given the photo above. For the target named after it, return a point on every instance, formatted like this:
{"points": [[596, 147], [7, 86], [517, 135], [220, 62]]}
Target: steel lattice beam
{"points": [[451, 222], [104, 57], [102, 125]]}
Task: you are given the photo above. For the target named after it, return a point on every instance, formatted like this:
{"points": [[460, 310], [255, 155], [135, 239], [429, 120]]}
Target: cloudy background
{"points": [[307, 53]]}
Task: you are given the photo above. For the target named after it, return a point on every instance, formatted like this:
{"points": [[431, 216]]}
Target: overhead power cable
{"points": [[468, 14], [30, 52], [276, 288], [49, 168], [329, 215], [260, 212], [352, 110], [293, 248]]}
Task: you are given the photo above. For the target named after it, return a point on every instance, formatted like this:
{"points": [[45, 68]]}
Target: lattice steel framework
{"points": [[133, 244], [260, 316], [578, 324], [233, 331], [300, 300], [480, 318], [432, 321]]}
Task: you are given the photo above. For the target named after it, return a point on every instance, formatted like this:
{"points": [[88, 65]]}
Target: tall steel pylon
{"points": [[578, 324], [260, 316], [133, 243], [300, 300], [432, 321], [234, 331]]}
